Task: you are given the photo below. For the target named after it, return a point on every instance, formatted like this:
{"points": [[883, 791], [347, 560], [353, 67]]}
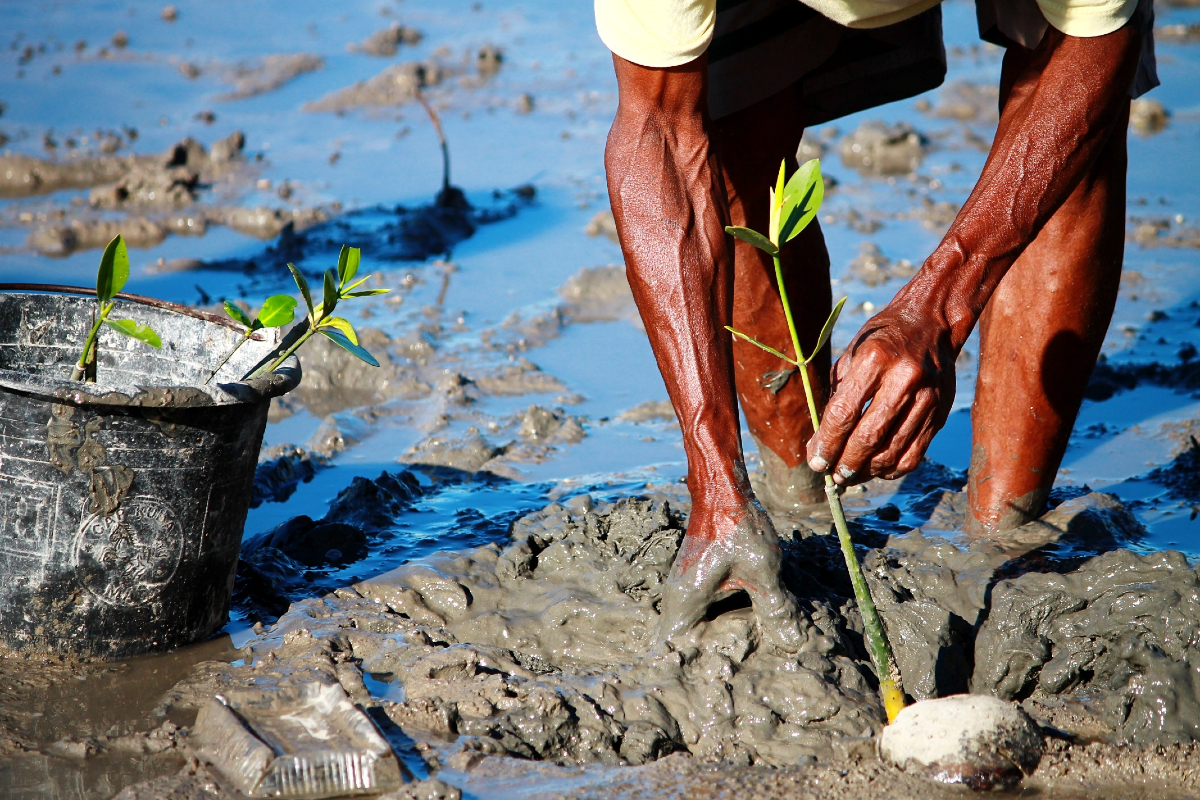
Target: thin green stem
{"points": [[245, 338], [877, 644], [295, 346], [88, 356]]}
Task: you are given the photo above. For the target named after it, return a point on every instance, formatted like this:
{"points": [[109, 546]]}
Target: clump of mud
{"points": [[387, 42], [877, 148], [1148, 116], [873, 268]]}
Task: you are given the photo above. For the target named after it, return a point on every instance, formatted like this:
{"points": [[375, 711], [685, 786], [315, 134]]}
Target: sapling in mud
{"points": [[794, 204], [110, 279], [336, 287]]}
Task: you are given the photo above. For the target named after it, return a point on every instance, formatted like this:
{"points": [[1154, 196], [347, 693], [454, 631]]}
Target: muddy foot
{"points": [[783, 488], [709, 568]]}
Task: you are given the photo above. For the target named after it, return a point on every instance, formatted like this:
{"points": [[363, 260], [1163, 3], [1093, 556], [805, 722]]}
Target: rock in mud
{"points": [[469, 453], [597, 294], [281, 470], [1148, 116], [876, 148], [396, 85], [387, 42], [976, 741], [603, 224], [650, 411], [269, 74], [544, 425], [966, 102], [873, 268]]}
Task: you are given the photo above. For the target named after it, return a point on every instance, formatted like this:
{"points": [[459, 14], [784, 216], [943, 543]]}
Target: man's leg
{"points": [[752, 144], [669, 204], [1039, 338]]}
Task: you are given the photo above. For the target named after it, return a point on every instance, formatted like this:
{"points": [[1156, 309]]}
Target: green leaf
{"points": [[303, 284], [277, 310], [237, 315], [366, 293], [331, 293], [135, 330], [338, 338], [752, 237], [355, 285], [827, 330], [342, 325], [348, 261], [757, 343], [114, 269], [802, 197]]}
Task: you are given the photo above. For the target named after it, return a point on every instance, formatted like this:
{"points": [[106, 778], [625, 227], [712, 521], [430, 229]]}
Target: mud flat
{"points": [[544, 648]]}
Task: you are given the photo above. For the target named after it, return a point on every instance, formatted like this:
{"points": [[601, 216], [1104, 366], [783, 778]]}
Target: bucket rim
{"points": [[77, 393]]}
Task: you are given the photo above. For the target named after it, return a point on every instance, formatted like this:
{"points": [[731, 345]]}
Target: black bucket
{"points": [[124, 499]]}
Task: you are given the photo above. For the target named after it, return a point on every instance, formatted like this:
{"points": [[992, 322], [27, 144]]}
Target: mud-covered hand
{"points": [[892, 391], [745, 557]]}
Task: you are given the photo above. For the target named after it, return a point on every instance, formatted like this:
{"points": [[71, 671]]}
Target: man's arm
{"points": [[894, 386]]}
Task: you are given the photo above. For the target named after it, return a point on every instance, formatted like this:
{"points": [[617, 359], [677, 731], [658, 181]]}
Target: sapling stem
{"points": [[794, 204], [890, 687], [229, 355], [88, 356]]}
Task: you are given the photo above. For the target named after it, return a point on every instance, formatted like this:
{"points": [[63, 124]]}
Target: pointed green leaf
{"points": [[752, 237], [237, 315], [367, 293], [342, 325], [827, 330], [303, 284], [331, 293], [802, 199], [135, 330], [277, 310], [114, 269], [348, 261], [757, 343], [779, 184], [338, 338]]}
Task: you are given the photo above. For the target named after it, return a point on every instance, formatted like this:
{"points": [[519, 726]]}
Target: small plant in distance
{"points": [[337, 287], [277, 311], [111, 278], [794, 203]]}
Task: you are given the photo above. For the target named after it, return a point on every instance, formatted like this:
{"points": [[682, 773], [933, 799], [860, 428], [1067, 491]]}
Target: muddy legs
{"points": [[1040, 336]]}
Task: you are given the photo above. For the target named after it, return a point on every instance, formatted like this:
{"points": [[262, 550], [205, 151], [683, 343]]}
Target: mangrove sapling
{"points": [[277, 311], [336, 287], [110, 279], [794, 203]]}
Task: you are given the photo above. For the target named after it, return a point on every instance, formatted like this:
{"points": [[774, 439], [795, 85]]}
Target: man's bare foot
{"points": [[725, 552]]}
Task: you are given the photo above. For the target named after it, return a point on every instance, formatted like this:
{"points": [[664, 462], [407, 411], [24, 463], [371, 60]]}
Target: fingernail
{"points": [[817, 464], [845, 472]]}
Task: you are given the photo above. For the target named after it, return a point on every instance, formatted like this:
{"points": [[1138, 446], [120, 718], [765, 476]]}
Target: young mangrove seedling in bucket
{"points": [[277, 311], [793, 206], [337, 287], [114, 271]]}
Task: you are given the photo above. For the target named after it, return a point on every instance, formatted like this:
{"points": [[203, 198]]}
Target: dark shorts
{"points": [[762, 47]]}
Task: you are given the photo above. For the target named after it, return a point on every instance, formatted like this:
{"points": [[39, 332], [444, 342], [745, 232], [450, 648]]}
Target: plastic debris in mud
{"points": [[303, 741]]}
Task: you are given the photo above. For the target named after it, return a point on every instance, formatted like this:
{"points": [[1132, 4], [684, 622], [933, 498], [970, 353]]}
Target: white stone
{"points": [[977, 740]]}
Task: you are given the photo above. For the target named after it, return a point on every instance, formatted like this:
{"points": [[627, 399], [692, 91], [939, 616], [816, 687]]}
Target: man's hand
{"points": [[893, 387], [892, 391]]}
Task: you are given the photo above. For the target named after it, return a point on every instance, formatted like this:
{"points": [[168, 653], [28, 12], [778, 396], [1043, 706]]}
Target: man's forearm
{"points": [[1064, 100]]}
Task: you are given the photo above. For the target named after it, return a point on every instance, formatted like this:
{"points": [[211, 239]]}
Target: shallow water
{"points": [[388, 156]]}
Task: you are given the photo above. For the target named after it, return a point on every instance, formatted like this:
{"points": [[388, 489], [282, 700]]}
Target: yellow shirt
{"points": [[667, 33]]}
